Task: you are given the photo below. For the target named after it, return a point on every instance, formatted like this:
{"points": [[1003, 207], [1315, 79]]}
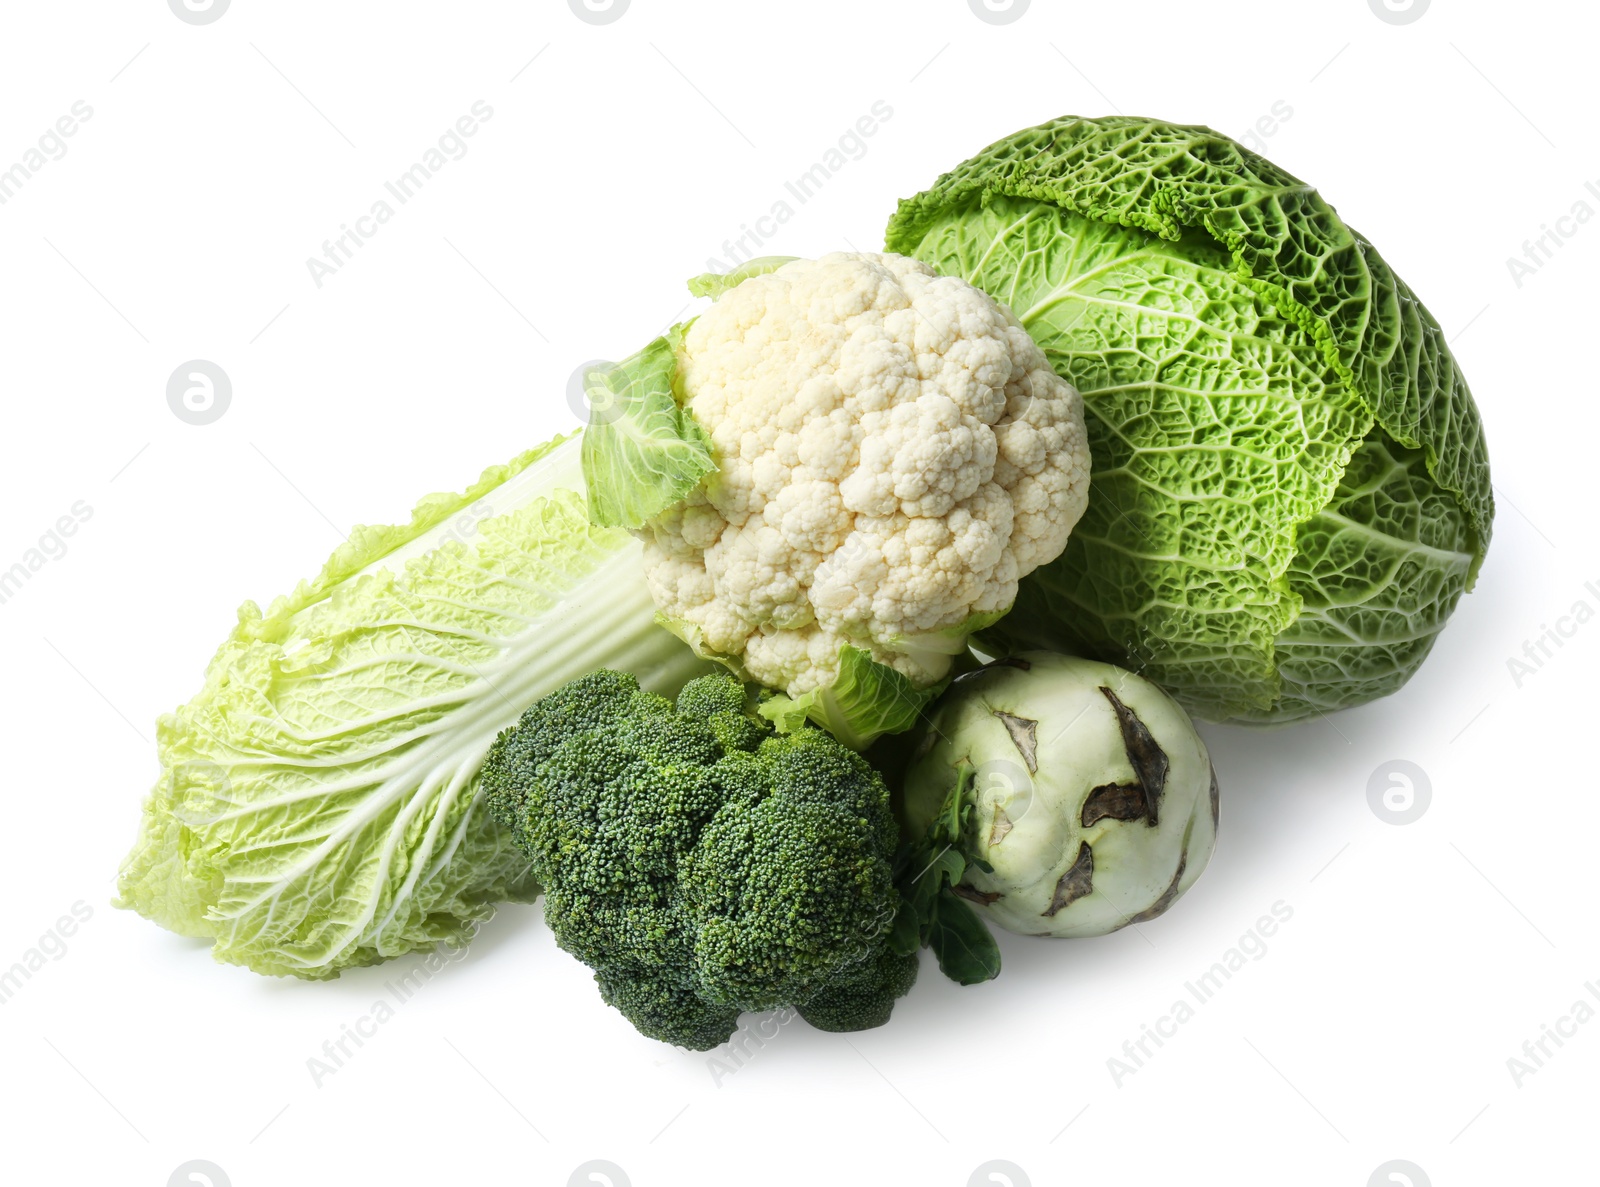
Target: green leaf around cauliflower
{"points": [[1291, 486], [866, 700], [318, 805], [643, 452], [714, 284]]}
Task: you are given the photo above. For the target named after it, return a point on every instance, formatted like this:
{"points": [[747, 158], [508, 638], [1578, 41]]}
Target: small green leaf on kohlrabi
{"points": [[964, 946], [932, 912], [927, 873], [905, 937], [642, 452], [946, 827], [930, 869]]}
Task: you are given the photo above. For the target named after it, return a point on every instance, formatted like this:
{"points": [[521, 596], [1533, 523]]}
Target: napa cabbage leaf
{"points": [[318, 805]]}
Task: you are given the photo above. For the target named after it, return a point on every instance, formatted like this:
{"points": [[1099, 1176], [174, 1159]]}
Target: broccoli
{"points": [[701, 864]]}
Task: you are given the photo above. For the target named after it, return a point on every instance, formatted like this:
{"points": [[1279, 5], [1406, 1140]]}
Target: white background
{"points": [[1379, 1022]]}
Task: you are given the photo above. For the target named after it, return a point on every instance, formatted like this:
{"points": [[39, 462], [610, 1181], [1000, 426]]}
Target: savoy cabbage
{"points": [[1291, 488]]}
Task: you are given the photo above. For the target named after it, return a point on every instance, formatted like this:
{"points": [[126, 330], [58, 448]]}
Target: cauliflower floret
{"points": [[895, 454]]}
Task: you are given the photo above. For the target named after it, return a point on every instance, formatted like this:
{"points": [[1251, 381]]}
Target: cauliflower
{"points": [[894, 453]]}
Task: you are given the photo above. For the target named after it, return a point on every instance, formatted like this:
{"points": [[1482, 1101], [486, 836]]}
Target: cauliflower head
{"points": [[893, 452]]}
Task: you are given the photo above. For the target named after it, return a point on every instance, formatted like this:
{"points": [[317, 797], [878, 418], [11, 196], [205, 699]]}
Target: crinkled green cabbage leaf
{"points": [[1291, 487]]}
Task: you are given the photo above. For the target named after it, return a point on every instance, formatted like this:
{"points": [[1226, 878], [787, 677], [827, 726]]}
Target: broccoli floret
{"points": [[790, 874], [700, 864], [667, 1011], [862, 997]]}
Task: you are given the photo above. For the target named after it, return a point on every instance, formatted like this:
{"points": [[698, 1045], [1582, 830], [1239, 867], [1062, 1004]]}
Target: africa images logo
{"points": [[198, 1172], [199, 392], [1398, 12], [198, 12], [997, 1172], [1399, 792], [598, 12], [597, 1172], [998, 12]]}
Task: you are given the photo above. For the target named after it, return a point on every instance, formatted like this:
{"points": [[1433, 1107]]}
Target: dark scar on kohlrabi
{"points": [[981, 897], [1150, 766], [1117, 801], [1216, 799], [1017, 662], [1024, 736], [1075, 883], [1168, 897], [1000, 827]]}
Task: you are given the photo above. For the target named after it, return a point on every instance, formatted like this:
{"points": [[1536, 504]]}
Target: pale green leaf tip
{"points": [[714, 284], [787, 714], [643, 453]]}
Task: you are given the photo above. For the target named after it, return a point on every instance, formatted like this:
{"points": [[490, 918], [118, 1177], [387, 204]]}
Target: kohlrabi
{"points": [[1077, 796]]}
